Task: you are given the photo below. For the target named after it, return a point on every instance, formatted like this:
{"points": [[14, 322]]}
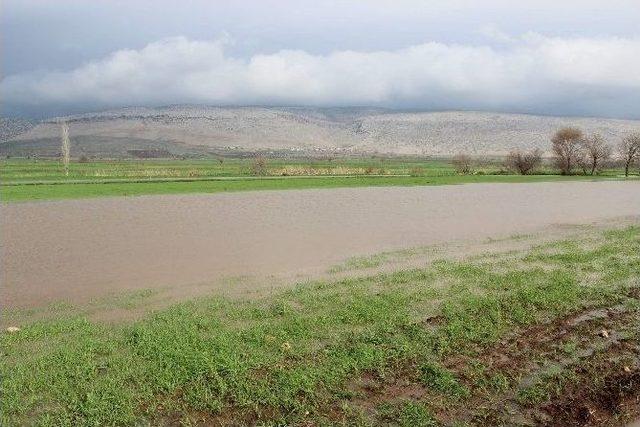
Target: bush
{"points": [[523, 163], [462, 164], [416, 171], [259, 166]]}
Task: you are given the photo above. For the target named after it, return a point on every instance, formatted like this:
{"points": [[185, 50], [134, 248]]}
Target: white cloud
{"points": [[496, 34], [531, 72]]}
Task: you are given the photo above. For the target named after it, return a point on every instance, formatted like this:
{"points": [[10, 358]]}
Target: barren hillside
{"points": [[199, 130]]}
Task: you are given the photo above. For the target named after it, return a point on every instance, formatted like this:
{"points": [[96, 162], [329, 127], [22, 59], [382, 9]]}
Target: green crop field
{"points": [[22, 170], [547, 331], [22, 180]]}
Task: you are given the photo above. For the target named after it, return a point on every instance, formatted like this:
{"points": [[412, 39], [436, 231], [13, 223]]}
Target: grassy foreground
{"points": [[545, 334], [24, 180]]}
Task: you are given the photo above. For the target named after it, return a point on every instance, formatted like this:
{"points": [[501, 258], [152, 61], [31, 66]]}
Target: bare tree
{"points": [[462, 163], [65, 147], [524, 162], [595, 153], [566, 146], [629, 150]]}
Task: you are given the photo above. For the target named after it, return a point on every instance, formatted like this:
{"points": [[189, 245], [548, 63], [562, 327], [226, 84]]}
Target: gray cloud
{"points": [[530, 73]]}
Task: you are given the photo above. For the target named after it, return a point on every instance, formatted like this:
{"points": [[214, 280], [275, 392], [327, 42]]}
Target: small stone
{"points": [[627, 369], [13, 329], [604, 334]]}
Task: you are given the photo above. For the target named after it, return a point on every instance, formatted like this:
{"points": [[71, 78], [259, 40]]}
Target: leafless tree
{"points": [[65, 147], [524, 162], [629, 150], [566, 146], [596, 151]]}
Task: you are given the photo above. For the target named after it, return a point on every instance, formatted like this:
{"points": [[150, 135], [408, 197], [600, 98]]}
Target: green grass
{"points": [[407, 414], [12, 193], [441, 380], [23, 180], [23, 170], [294, 356]]}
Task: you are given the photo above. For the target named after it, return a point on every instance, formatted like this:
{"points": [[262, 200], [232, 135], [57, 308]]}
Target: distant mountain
{"points": [[10, 128], [199, 130]]}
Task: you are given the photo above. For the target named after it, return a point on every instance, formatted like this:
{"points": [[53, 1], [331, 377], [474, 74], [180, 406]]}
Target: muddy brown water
{"points": [[82, 249]]}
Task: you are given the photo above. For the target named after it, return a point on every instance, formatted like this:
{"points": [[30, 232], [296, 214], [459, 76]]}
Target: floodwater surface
{"points": [[81, 249]]}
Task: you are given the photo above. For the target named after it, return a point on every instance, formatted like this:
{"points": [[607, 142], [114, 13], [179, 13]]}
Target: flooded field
{"points": [[83, 249]]}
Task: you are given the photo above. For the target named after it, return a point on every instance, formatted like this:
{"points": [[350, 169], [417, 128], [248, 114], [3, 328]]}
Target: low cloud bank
{"points": [[532, 73]]}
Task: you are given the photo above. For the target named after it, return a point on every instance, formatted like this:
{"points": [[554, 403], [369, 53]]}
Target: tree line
{"points": [[573, 152]]}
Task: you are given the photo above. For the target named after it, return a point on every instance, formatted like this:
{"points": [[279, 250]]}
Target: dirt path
{"points": [[82, 249]]}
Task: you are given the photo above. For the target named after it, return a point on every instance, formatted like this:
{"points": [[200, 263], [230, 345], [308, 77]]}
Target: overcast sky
{"points": [[562, 57]]}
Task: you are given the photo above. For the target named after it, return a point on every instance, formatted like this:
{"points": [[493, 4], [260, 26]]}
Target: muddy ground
{"points": [[80, 250]]}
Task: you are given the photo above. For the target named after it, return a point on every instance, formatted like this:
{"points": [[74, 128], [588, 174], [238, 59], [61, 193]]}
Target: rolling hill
{"points": [[200, 130]]}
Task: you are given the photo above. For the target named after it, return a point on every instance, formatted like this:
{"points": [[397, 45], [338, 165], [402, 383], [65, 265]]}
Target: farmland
{"points": [[513, 300], [23, 179]]}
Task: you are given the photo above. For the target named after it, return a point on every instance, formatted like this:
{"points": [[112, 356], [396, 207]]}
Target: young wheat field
{"points": [[24, 179]]}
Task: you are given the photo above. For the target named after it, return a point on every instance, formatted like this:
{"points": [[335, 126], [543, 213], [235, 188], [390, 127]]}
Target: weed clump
{"points": [[259, 166], [436, 377], [416, 171]]}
